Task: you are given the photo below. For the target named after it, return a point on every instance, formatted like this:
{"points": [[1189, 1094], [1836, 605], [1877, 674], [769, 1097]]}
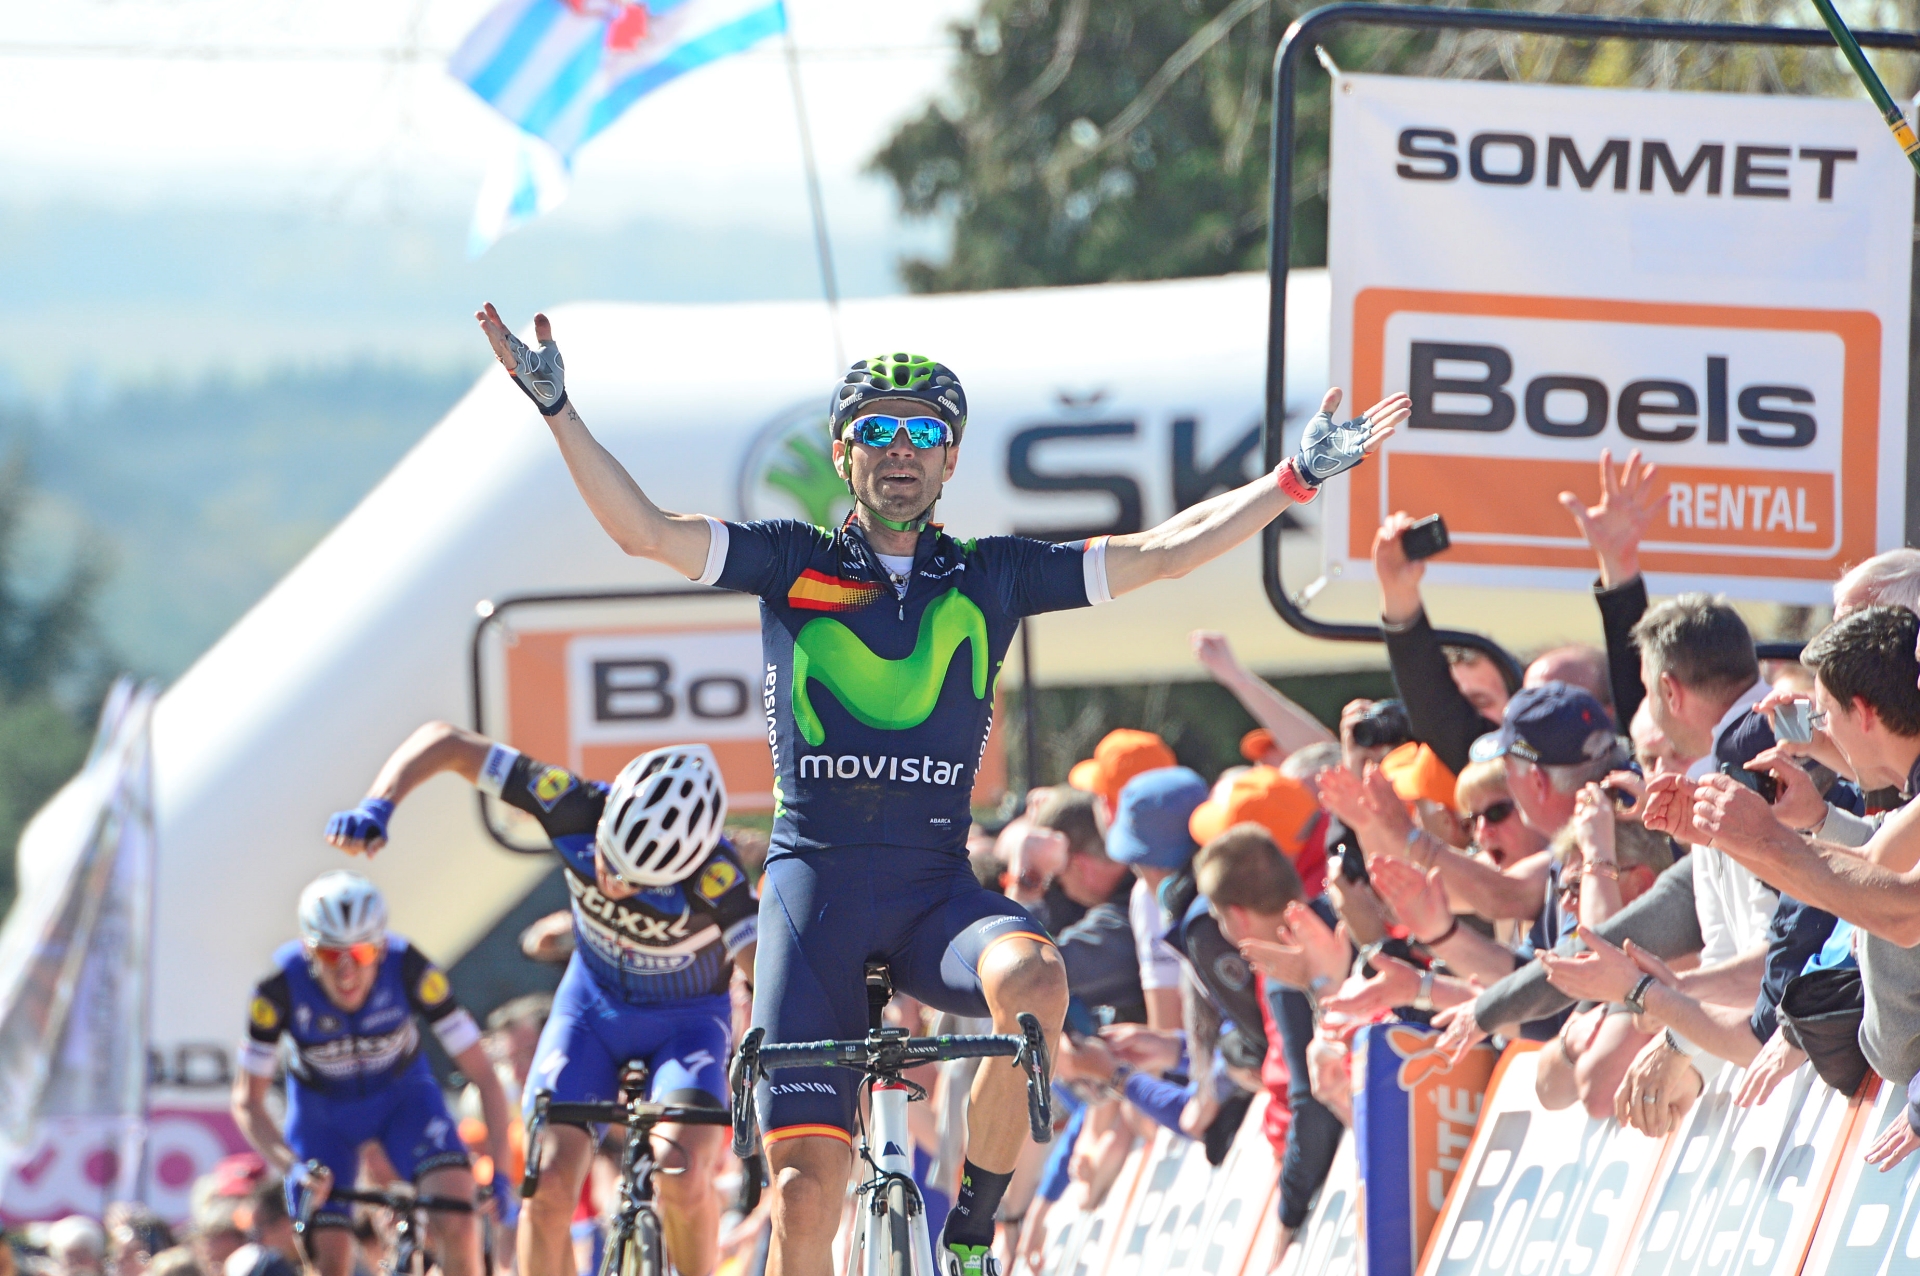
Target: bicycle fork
{"points": [[890, 1216]]}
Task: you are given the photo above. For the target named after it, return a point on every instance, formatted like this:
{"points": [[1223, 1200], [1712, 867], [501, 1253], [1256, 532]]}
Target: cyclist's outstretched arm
{"points": [[1203, 532], [494, 1109], [256, 1123], [636, 524], [434, 748]]}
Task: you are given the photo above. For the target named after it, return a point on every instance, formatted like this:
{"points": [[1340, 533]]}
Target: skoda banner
{"points": [[1720, 281]]}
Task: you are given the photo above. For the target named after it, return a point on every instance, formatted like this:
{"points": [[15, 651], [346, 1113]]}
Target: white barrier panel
{"points": [[1734, 1190], [1169, 1213], [1329, 1241], [1742, 1188], [1550, 1191], [1872, 1219]]}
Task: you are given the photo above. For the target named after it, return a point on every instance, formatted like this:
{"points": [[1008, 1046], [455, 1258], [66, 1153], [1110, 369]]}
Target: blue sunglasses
{"points": [[880, 431]]}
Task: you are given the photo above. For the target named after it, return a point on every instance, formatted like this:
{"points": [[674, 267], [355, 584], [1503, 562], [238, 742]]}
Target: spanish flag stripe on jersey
{"points": [[816, 591]]}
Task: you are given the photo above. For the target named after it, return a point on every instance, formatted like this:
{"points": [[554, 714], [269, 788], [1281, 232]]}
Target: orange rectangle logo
{"points": [[1486, 446]]}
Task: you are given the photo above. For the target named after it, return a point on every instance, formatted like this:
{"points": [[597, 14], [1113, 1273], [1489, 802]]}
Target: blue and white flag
{"points": [[563, 70]]}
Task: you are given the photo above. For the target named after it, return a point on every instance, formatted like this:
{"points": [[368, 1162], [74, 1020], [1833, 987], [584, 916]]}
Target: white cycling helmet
{"points": [[340, 909], [663, 815]]}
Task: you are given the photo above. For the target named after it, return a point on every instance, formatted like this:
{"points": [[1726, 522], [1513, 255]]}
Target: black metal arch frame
{"points": [[1299, 39]]}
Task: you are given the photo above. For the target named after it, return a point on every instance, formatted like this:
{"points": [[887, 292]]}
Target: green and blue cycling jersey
{"points": [[878, 678]]}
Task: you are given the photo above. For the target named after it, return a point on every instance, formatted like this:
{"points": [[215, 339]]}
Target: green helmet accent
{"points": [[899, 376]]}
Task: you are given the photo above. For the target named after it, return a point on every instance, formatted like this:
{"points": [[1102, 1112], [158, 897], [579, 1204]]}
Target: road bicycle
{"points": [[409, 1255], [634, 1246], [890, 1219]]}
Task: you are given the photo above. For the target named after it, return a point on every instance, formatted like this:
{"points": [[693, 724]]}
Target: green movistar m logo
{"points": [[892, 695]]}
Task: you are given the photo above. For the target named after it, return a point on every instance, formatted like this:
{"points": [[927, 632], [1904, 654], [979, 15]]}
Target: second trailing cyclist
{"points": [[662, 908]]}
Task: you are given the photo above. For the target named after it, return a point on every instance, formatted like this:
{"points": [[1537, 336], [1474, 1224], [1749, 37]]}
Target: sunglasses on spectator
{"points": [[357, 954], [879, 431], [1498, 813]]}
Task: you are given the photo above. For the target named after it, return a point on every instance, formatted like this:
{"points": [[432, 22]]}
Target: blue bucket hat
{"points": [[1150, 825]]}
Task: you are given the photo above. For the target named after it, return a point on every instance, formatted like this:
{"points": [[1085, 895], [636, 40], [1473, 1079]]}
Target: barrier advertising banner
{"points": [[1872, 1218], [1718, 280], [1414, 1113]]}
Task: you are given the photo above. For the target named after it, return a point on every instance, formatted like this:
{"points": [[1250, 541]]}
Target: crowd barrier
{"points": [[1778, 1189]]}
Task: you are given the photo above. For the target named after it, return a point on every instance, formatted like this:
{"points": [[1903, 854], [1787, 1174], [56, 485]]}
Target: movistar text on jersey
{"points": [[850, 766]]}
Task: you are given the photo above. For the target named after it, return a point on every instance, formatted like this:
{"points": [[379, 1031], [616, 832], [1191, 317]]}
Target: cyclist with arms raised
{"points": [[346, 995], [661, 906], [882, 638]]}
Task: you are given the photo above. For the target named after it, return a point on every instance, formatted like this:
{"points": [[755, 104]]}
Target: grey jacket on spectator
{"points": [[1663, 921]]}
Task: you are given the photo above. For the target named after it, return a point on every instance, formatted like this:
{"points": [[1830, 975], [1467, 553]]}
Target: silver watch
{"points": [[1423, 999]]}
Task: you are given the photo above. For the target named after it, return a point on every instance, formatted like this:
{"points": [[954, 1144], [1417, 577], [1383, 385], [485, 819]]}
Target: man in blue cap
{"points": [[1555, 739]]}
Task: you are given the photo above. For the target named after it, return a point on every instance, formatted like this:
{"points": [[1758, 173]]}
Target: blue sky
{"points": [[238, 184]]}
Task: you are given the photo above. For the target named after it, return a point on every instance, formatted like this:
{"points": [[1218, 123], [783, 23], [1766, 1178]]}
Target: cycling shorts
{"points": [[590, 1036], [822, 916], [408, 1117]]}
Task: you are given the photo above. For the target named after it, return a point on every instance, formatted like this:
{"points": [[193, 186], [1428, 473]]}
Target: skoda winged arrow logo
{"points": [[891, 695]]}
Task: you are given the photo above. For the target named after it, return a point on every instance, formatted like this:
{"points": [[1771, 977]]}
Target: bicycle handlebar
{"points": [[889, 1051], [401, 1200], [633, 1114]]}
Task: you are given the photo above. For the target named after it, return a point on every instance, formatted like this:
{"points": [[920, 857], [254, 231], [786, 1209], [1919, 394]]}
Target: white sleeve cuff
{"points": [[716, 552], [493, 772], [457, 1032], [1093, 565], [257, 1060], [1844, 828]]}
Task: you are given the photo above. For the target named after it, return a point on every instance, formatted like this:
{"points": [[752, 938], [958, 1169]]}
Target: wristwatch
{"points": [[1637, 999], [1423, 999]]}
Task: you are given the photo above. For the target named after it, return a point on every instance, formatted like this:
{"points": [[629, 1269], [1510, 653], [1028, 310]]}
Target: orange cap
{"points": [[1415, 772], [1260, 795], [1255, 744], [1120, 756]]}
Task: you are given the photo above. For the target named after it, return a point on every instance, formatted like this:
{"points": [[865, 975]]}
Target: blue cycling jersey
{"points": [[352, 1053], [671, 943], [879, 691]]}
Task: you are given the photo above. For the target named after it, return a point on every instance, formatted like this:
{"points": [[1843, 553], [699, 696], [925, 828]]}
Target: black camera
{"points": [[1425, 538], [1759, 781], [1384, 725]]}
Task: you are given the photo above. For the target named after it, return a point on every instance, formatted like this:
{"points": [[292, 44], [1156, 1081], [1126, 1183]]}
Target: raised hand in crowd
{"points": [[1417, 899], [1799, 804], [1660, 1088], [1147, 1049], [1393, 983], [1777, 1061], [1732, 816], [1399, 576], [1314, 956], [1669, 807], [1615, 527], [1460, 1033], [1894, 1146], [1034, 857], [1821, 748], [1339, 791], [1602, 973]]}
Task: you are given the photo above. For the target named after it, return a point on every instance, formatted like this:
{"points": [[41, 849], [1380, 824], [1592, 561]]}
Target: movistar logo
{"points": [[891, 695]]}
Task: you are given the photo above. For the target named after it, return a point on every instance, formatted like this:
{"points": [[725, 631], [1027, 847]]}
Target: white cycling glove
{"points": [[540, 373], [1326, 449]]}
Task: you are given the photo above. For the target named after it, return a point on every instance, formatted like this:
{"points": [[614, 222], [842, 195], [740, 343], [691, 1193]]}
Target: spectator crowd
{"points": [[1658, 858]]}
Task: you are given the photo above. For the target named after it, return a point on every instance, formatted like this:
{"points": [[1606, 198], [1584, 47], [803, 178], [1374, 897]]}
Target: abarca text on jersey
{"points": [[350, 1053], [879, 696], [663, 944]]}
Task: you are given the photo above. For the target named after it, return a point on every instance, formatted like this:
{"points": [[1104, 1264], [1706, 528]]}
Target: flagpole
{"points": [[829, 284]]}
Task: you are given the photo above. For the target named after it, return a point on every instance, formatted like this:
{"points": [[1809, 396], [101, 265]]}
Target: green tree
{"points": [[1082, 143], [51, 667]]}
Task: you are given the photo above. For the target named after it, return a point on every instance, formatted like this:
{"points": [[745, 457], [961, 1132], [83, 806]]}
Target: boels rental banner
{"points": [[1414, 1115], [1718, 280]]}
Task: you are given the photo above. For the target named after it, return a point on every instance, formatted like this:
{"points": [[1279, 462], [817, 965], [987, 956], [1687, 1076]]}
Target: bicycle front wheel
{"points": [[896, 1230]]}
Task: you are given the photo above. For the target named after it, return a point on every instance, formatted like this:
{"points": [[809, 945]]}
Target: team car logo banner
{"points": [[1718, 280]]}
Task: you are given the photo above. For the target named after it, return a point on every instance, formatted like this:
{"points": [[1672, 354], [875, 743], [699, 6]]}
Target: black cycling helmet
{"points": [[899, 376]]}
